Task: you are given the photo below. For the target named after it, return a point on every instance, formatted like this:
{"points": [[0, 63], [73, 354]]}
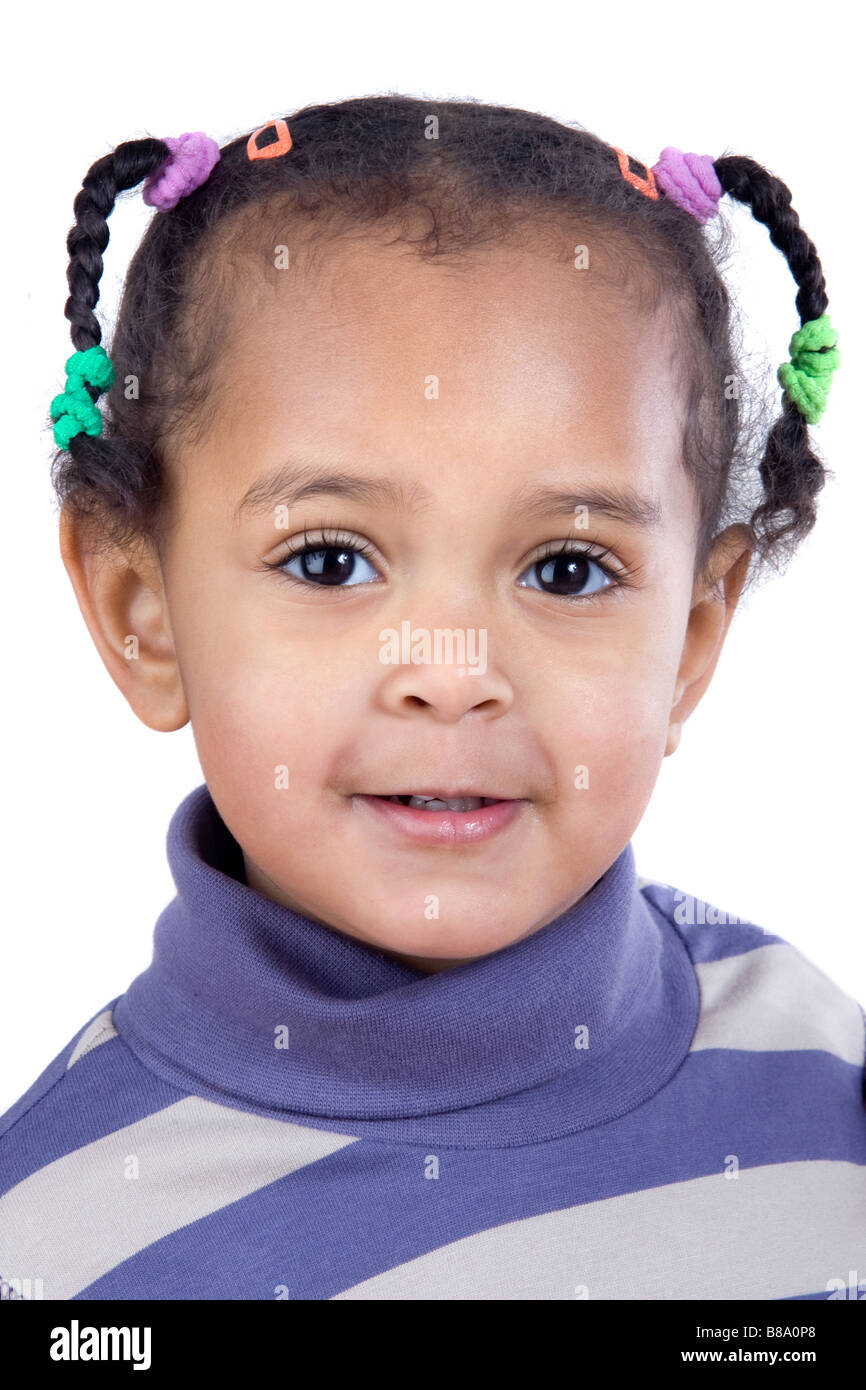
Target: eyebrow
{"points": [[293, 483]]}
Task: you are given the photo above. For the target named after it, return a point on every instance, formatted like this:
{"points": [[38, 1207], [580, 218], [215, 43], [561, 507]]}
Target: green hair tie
{"points": [[806, 378], [74, 409]]}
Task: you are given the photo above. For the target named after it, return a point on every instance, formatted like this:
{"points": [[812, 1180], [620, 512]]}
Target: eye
{"points": [[566, 571], [330, 560], [326, 563]]}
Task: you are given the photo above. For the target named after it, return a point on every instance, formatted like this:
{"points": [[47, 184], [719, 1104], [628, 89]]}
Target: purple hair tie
{"points": [[690, 181], [192, 157]]}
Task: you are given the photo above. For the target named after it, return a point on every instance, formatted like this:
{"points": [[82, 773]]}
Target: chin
{"points": [[450, 946]]}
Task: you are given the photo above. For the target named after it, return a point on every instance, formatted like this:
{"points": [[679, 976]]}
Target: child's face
{"points": [[466, 388]]}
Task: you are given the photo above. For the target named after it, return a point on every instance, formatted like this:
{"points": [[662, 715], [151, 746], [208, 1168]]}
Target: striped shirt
{"points": [[645, 1099]]}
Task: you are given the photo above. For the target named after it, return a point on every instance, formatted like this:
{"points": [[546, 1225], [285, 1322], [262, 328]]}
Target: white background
{"points": [[760, 810]]}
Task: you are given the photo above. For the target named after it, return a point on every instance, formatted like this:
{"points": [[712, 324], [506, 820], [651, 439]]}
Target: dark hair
{"points": [[368, 162]]}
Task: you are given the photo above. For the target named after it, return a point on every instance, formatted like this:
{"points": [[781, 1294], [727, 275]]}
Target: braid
{"points": [[100, 466], [124, 168], [791, 474]]}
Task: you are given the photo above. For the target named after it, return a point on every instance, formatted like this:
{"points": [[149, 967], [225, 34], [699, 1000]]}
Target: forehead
{"points": [[479, 371]]}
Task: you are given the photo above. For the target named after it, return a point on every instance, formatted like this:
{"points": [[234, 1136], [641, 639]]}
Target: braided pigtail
{"points": [[791, 474], [126, 167], [90, 464], [98, 467]]}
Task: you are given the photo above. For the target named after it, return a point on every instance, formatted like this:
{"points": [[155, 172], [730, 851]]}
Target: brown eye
{"points": [[329, 566], [572, 573], [326, 563]]}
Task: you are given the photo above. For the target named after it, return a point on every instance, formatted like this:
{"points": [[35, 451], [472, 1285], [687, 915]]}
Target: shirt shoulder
{"points": [[92, 1094], [758, 990], [92, 1088], [97, 1029]]}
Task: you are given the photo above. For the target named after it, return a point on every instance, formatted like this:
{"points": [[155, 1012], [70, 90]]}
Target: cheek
{"points": [[270, 719], [607, 721]]}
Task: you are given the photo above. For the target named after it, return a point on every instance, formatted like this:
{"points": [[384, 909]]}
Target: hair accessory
{"points": [[192, 157], [690, 181], [814, 358], [74, 409], [646, 186], [281, 145]]}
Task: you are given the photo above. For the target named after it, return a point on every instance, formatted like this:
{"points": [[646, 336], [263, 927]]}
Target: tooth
{"points": [[457, 803], [436, 803]]}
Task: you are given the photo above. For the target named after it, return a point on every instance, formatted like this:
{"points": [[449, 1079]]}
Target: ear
{"points": [[122, 600], [713, 604]]}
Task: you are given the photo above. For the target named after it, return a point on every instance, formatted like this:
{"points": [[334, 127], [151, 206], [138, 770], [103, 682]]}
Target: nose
{"points": [[445, 690]]}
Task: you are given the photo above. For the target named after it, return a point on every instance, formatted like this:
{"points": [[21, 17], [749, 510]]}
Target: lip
{"points": [[447, 795], [444, 827]]}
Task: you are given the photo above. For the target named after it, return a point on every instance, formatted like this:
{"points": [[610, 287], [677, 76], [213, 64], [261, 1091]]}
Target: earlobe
{"points": [[122, 599], [675, 731], [713, 606], [675, 728]]}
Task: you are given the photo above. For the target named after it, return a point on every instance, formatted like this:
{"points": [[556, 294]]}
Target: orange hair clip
{"points": [[281, 145], [647, 186]]}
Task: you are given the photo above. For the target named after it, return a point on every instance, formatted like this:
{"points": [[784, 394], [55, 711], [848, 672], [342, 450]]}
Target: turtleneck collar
{"points": [[254, 1005]]}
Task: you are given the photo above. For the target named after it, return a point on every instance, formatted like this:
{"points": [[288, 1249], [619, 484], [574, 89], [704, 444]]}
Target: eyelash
{"points": [[623, 577]]}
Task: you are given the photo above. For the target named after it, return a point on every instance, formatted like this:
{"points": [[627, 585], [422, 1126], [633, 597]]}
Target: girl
{"points": [[422, 487]]}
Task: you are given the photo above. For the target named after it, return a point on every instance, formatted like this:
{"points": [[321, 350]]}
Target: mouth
{"points": [[433, 818], [441, 801]]}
